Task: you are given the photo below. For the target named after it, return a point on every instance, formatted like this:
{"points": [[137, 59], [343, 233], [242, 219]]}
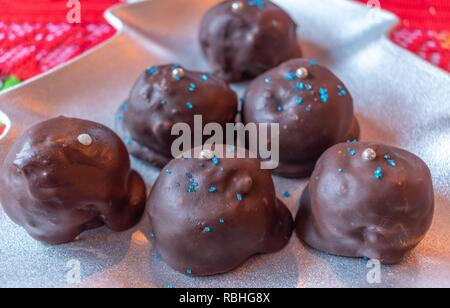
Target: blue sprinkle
{"points": [[175, 66], [120, 117], [221, 221], [351, 151], [286, 194], [123, 107], [280, 108], [342, 93], [366, 259], [168, 171], [152, 70], [189, 271], [207, 230], [212, 189], [193, 185], [299, 101], [391, 163], [170, 286], [308, 86], [300, 85], [205, 78], [215, 161], [239, 197], [291, 77], [157, 257], [378, 174], [189, 175], [323, 95], [268, 80], [189, 106], [128, 141], [258, 3], [314, 62], [192, 87]]}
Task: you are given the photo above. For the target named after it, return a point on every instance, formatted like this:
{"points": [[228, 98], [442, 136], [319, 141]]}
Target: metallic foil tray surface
{"points": [[400, 100]]}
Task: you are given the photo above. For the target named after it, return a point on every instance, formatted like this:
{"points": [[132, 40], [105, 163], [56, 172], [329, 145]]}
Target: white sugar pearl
{"points": [[178, 73], [85, 139], [206, 155], [237, 6], [369, 154], [302, 73]]}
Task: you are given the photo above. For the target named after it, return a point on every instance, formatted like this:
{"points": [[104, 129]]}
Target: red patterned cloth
{"points": [[424, 28], [35, 37]]}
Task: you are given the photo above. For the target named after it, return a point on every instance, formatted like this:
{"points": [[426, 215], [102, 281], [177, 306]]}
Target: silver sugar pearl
{"points": [[369, 154], [237, 6], [206, 155], [85, 139], [302, 73], [178, 73]]}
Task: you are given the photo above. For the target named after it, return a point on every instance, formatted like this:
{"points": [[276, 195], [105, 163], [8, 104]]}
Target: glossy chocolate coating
{"points": [[56, 187], [314, 113], [158, 101], [242, 44], [350, 209], [201, 230]]}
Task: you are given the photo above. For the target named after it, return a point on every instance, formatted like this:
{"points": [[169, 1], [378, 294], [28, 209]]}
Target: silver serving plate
{"points": [[400, 100]]}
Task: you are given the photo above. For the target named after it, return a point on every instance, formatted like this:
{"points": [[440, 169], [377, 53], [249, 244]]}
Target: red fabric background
{"points": [[424, 28], [34, 35]]}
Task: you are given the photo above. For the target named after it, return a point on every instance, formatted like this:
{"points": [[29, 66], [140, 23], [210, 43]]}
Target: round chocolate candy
{"points": [[312, 106], [167, 95], [65, 176], [243, 39], [378, 206], [210, 215]]}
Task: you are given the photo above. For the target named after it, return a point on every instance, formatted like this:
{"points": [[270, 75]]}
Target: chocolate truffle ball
{"points": [[242, 39], [164, 96], [367, 200], [312, 106], [209, 216], [65, 176]]}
